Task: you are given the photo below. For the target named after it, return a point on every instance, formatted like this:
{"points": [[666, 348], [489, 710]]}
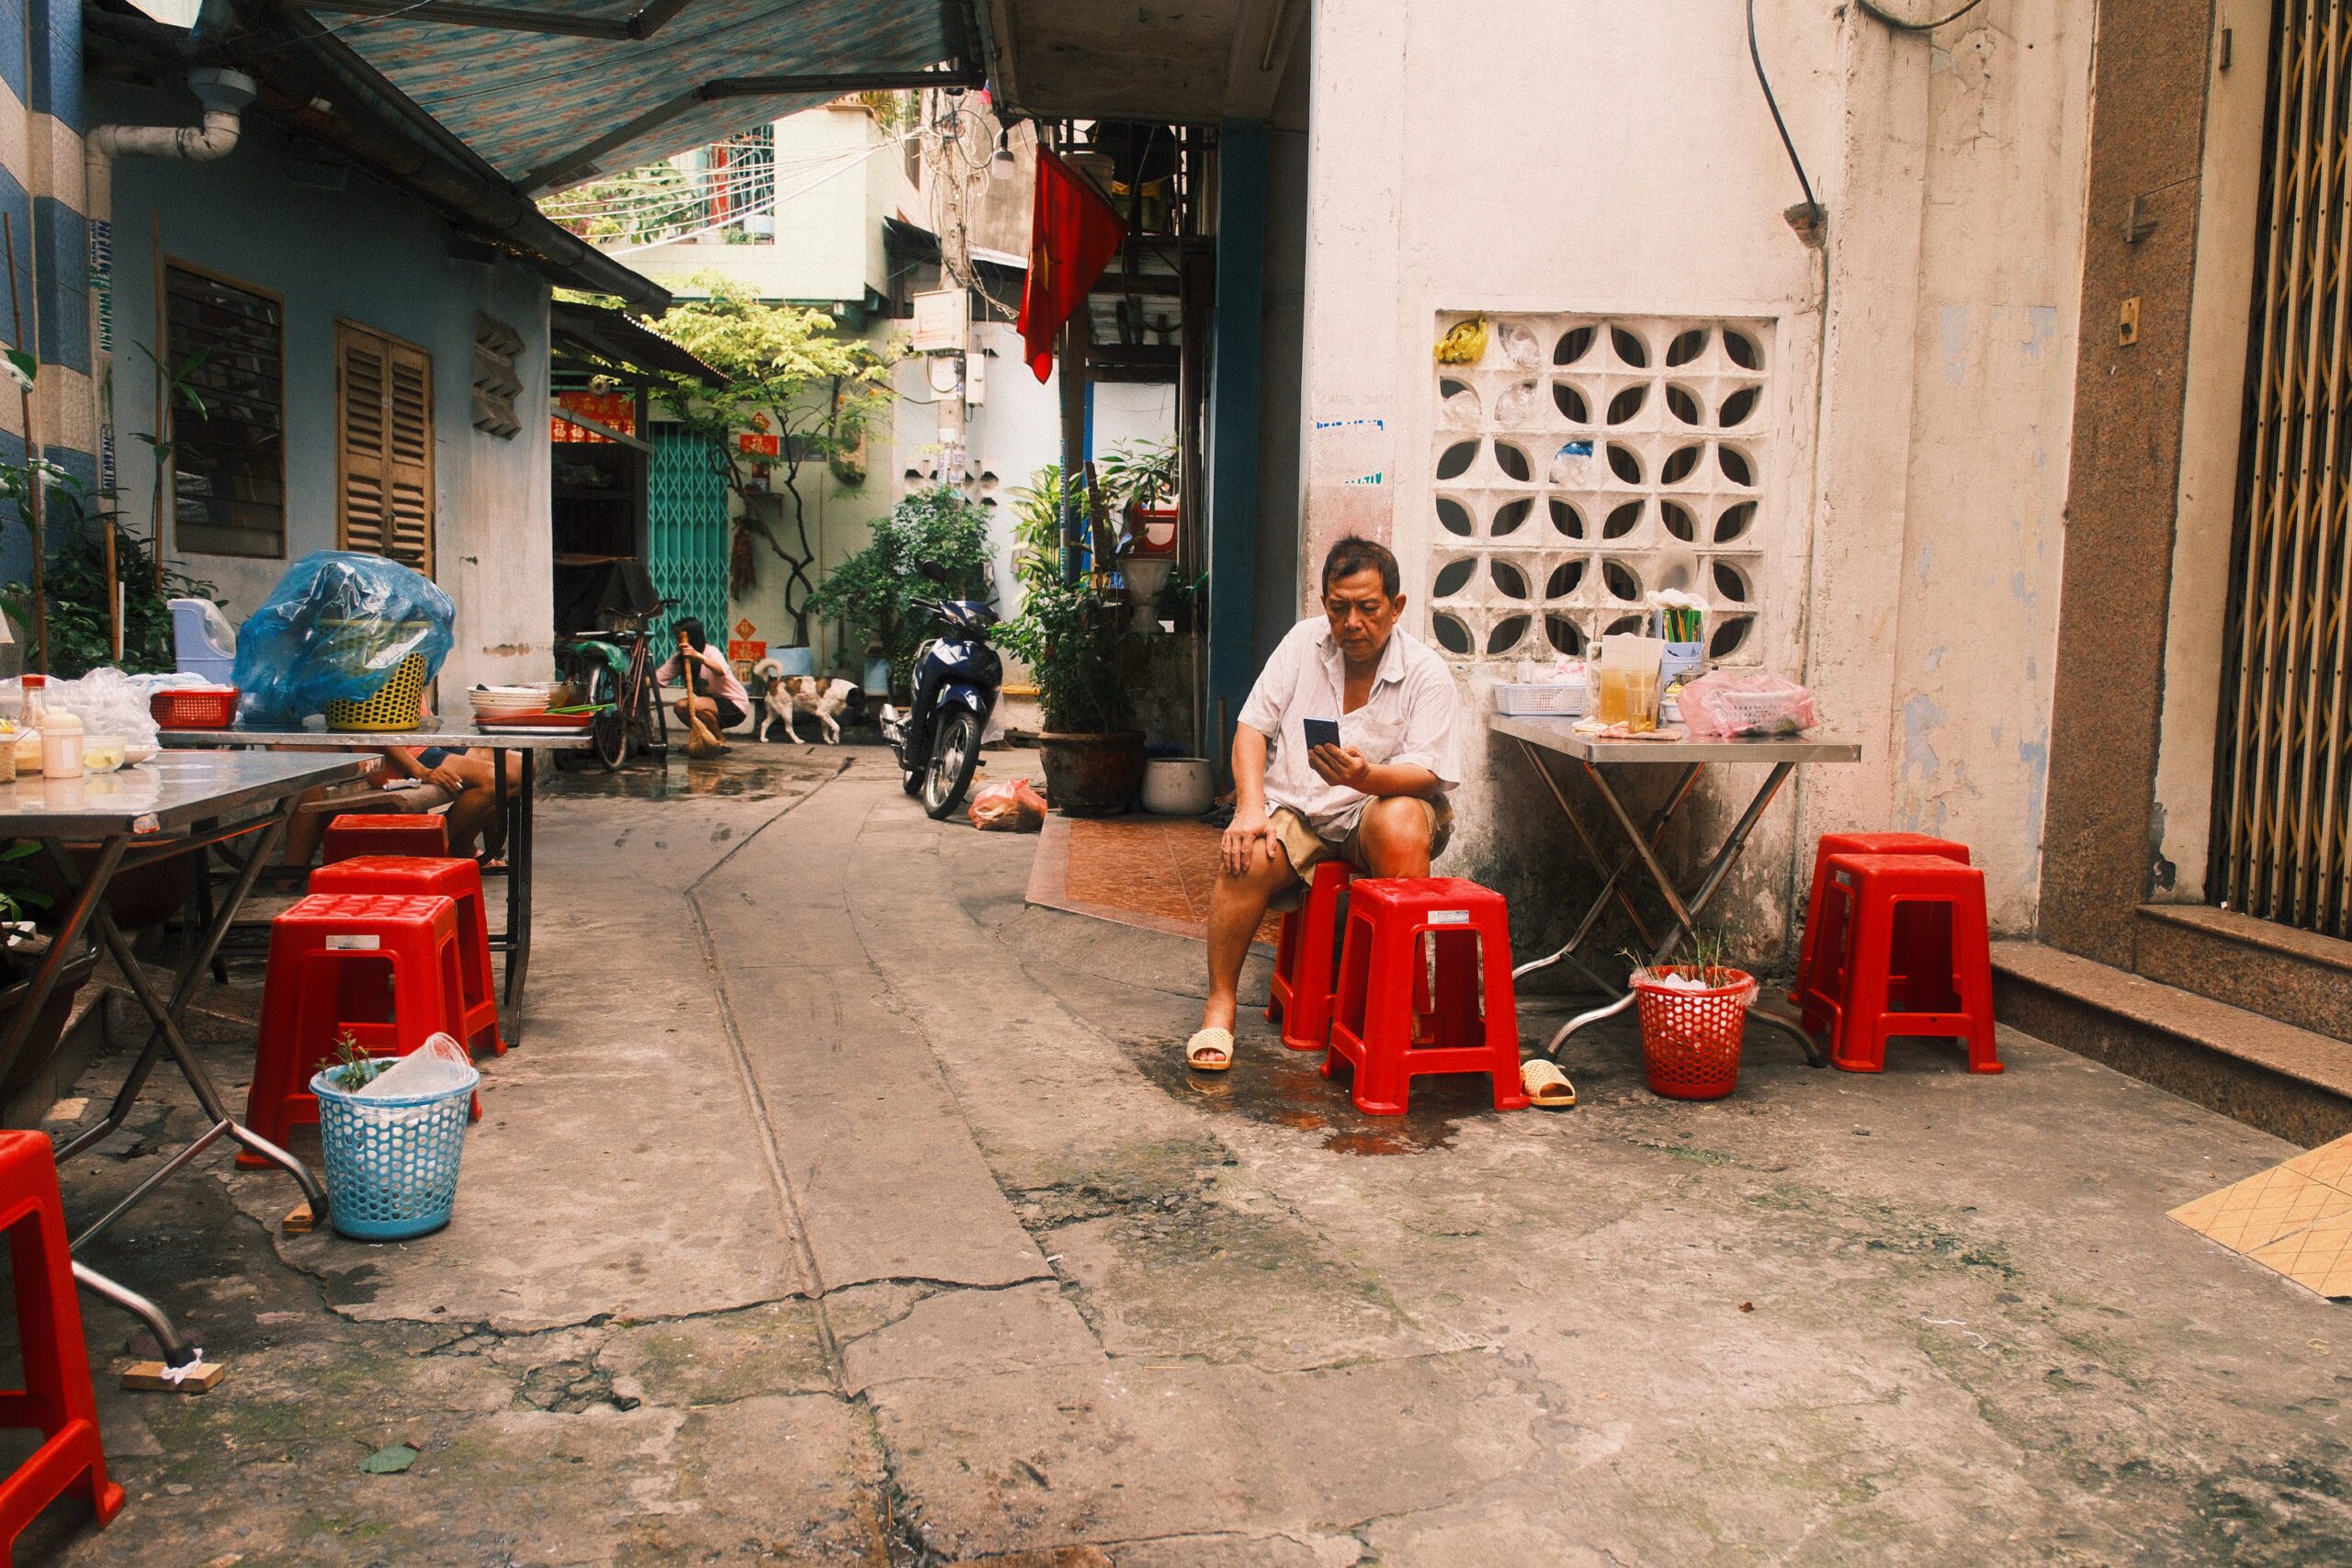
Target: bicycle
{"points": [[619, 681]]}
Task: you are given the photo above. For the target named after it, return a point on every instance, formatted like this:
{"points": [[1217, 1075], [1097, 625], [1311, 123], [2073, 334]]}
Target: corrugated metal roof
{"points": [[547, 108], [611, 335]]}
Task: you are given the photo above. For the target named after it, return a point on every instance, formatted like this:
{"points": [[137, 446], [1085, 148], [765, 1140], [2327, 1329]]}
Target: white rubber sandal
{"points": [[1546, 1085], [1209, 1051]]}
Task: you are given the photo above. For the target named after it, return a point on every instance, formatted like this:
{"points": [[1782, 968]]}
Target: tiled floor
{"points": [[1154, 871]]}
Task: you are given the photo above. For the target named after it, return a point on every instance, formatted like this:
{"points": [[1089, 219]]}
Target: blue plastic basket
{"points": [[392, 1161]]}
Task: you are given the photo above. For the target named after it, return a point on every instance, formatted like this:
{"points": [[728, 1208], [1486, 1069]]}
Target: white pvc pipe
{"points": [[224, 95]]}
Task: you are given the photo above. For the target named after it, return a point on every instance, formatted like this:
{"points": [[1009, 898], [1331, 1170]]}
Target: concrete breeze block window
{"points": [[1586, 461]]}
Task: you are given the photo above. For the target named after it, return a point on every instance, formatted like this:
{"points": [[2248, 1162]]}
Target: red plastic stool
{"points": [[1904, 950], [384, 966], [384, 833], [427, 876], [57, 1400], [1858, 844], [1382, 975], [1307, 961]]}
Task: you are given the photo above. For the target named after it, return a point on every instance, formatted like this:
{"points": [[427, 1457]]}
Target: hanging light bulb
{"points": [[1001, 164]]}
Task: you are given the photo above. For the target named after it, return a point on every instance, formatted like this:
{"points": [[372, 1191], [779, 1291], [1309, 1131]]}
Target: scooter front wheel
{"points": [[953, 757]]}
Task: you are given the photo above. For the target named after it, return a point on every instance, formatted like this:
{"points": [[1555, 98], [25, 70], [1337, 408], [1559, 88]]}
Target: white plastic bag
{"points": [[440, 1066], [107, 702]]}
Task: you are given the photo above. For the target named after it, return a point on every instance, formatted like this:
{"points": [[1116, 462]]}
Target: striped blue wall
{"points": [[41, 66]]}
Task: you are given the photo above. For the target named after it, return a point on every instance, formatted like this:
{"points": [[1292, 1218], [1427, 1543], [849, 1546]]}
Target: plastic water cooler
{"points": [[203, 643]]}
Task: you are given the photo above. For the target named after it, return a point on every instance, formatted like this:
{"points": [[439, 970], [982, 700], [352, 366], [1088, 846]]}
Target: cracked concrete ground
{"points": [[838, 1208]]}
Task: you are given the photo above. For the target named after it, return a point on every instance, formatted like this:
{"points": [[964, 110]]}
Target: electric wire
{"points": [[753, 183], [1871, 9], [1756, 58], [752, 210]]}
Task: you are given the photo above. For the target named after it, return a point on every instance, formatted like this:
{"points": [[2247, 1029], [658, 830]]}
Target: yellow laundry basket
{"points": [[398, 705]]}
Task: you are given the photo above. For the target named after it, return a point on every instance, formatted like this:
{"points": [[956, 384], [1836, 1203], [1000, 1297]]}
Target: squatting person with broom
{"points": [[715, 699]]}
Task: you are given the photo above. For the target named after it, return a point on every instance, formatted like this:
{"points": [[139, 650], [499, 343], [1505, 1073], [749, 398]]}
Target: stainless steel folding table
{"points": [[1687, 759], [514, 805], [174, 803]]}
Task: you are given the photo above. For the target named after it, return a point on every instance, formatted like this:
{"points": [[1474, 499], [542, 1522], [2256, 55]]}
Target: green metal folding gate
{"points": [[685, 506]]}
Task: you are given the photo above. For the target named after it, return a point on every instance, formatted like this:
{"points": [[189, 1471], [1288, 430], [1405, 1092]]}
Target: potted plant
{"points": [[1074, 637], [20, 959], [1694, 1019], [934, 545]]}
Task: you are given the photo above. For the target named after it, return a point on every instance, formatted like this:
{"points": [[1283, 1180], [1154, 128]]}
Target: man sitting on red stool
{"points": [[1377, 797]]}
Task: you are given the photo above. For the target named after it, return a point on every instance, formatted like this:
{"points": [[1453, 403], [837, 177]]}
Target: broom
{"points": [[702, 742]]}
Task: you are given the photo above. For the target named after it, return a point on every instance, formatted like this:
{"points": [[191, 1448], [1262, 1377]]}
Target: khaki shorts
{"points": [[1305, 848]]}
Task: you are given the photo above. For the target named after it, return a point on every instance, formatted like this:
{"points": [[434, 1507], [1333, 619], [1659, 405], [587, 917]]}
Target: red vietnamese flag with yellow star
{"points": [[1073, 234]]}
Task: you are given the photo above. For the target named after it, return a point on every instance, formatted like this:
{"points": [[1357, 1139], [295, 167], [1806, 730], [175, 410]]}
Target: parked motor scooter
{"points": [[956, 678]]}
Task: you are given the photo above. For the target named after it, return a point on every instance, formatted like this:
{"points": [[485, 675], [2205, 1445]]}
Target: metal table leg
{"points": [[1609, 888], [166, 1035], [177, 1351], [1686, 914], [518, 883], [61, 948]]}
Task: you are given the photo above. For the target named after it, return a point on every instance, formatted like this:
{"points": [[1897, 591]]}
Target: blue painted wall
{"points": [[41, 71], [1235, 351], [374, 256]]}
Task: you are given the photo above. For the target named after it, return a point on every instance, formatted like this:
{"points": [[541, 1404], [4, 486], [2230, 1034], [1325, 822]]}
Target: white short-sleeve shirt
{"points": [[1408, 718]]}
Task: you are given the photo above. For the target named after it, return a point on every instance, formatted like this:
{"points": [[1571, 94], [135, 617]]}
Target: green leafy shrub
{"points": [[80, 628], [934, 544], [1076, 638]]}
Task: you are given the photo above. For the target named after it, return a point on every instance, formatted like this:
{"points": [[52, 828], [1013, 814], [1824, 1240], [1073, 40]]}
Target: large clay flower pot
{"points": [[1092, 775], [41, 1043], [138, 896]]}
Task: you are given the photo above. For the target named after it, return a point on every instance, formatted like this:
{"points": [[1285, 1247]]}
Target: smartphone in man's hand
{"points": [[1322, 732]]}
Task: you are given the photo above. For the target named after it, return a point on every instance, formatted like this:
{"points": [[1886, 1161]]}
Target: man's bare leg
{"points": [[476, 809], [1395, 836], [1237, 905]]}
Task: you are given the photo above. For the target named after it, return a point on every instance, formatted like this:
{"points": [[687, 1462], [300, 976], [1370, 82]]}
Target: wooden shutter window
{"points": [[384, 457]]}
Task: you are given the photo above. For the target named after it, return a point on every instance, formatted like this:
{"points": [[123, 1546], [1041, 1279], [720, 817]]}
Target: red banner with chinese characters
{"points": [[613, 411]]}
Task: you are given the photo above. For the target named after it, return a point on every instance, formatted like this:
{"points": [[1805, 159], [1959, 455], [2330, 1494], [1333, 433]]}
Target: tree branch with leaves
{"points": [[790, 375]]}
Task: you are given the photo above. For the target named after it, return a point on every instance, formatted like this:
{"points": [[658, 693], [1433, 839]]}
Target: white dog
{"points": [[788, 695]]}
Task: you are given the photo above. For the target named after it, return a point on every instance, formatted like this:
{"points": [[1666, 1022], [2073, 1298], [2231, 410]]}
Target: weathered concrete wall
{"points": [[363, 253], [1913, 444]]}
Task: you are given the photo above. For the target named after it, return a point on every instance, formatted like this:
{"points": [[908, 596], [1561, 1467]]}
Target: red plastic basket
{"points": [[1691, 1039], [194, 710]]}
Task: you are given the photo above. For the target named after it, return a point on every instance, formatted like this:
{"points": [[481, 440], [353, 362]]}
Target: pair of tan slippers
{"points": [[1211, 1051]]}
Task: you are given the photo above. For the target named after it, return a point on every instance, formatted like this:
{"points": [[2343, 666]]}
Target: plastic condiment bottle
{"points": [[32, 701], [61, 746]]}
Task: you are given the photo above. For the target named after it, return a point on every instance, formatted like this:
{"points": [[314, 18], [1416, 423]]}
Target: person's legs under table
{"points": [[478, 807]]}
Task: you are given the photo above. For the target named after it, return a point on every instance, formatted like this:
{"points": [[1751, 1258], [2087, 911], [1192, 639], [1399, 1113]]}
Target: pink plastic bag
{"points": [[1009, 805], [1723, 703]]}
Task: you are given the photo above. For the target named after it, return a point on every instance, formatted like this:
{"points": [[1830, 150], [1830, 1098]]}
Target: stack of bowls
{"points": [[504, 704]]}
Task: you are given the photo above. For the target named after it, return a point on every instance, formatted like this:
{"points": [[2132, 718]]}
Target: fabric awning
{"points": [[551, 94]]}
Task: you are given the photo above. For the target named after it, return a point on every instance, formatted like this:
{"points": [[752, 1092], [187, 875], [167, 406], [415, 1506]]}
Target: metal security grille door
{"points": [[2283, 802], [686, 509]]}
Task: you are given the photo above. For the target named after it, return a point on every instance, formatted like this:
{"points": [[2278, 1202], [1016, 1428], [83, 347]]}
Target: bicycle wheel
{"points": [[608, 732], [952, 757]]}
